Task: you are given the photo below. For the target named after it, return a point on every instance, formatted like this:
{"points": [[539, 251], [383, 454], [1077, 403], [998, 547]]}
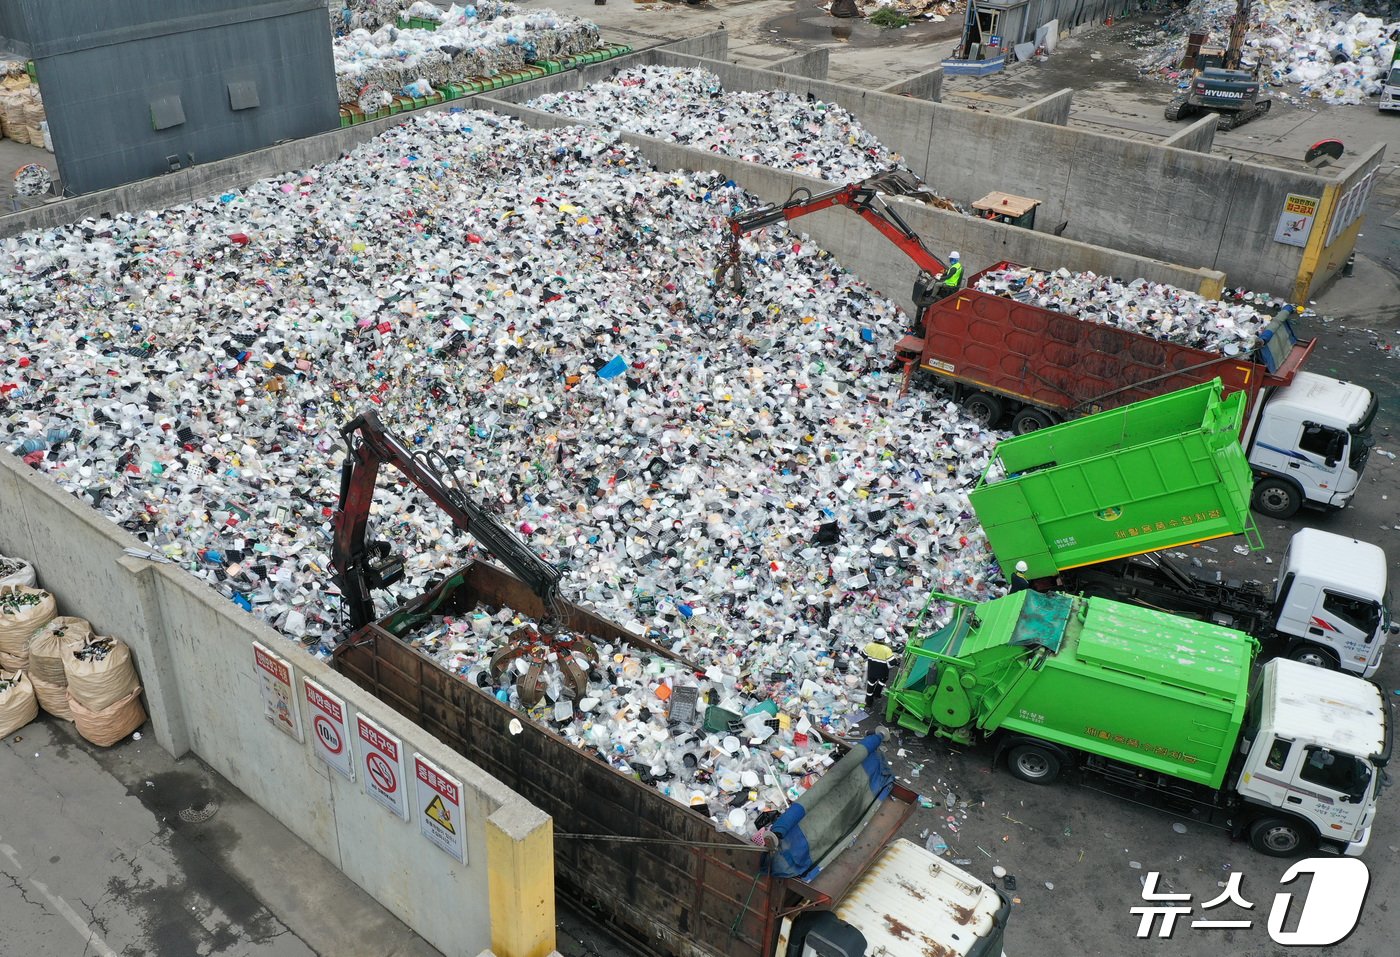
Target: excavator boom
{"points": [[361, 565], [859, 197]]}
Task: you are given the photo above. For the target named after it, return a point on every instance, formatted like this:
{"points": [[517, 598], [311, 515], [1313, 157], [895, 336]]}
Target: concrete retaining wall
{"points": [[1176, 205], [860, 249], [1160, 205], [1323, 260], [921, 86], [1198, 136], [813, 64], [194, 652], [207, 179], [1048, 109]]}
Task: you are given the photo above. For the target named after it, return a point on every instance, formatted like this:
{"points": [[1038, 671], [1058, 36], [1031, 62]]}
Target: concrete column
{"points": [[1198, 136], [520, 863], [813, 64], [921, 86], [1048, 109], [159, 681]]}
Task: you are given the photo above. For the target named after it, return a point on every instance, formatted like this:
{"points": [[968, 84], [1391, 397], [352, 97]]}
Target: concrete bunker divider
{"points": [[850, 240], [195, 654]]}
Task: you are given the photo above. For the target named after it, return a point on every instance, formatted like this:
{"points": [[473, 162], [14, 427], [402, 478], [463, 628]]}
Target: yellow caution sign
{"points": [[438, 811]]}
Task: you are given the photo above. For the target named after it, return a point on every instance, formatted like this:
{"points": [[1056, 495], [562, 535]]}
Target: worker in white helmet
{"points": [[953, 275], [1019, 581]]}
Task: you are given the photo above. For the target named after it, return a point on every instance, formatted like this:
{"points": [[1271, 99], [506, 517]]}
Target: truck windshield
{"points": [[1336, 771], [1394, 78], [1362, 439], [1357, 612]]}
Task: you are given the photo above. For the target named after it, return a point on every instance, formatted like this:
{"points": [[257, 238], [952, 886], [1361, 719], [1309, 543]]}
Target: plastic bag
{"points": [[106, 727], [18, 705], [97, 679], [17, 571], [23, 610], [52, 698], [49, 644]]}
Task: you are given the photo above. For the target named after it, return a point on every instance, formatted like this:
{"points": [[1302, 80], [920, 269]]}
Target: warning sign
{"points": [[440, 807], [274, 676], [381, 763], [438, 812], [1296, 221], [330, 736]]}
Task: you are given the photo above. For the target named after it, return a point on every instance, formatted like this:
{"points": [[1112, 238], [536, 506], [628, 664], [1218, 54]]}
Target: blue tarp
{"points": [[830, 811]]}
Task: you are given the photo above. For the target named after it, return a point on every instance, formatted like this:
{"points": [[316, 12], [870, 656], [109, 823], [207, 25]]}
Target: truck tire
{"points": [[1315, 655], [1033, 763], [1030, 420], [984, 408], [1279, 836], [1276, 497]]}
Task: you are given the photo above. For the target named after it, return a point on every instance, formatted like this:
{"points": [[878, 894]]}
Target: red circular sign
{"points": [[329, 736], [381, 772]]}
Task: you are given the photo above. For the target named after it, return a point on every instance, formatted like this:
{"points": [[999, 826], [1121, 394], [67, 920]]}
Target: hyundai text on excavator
{"points": [[362, 565], [1222, 82], [862, 198]]}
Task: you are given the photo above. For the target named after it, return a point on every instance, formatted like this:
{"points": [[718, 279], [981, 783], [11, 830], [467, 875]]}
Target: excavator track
{"points": [[1179, 108], [1230, 121]]}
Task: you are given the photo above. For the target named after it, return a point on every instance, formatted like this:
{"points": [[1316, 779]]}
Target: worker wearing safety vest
{"points": [[878, 658], [952, 276]]}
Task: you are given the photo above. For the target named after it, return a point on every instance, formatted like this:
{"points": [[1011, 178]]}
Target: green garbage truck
{"points": [[1165, 710], [1088, 504]]}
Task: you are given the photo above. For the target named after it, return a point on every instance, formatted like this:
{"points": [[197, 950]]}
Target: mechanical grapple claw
{"points": [[572, 654]]}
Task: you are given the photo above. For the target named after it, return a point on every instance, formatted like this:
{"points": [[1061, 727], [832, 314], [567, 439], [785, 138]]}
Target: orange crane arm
{"points": [[859, 197]]}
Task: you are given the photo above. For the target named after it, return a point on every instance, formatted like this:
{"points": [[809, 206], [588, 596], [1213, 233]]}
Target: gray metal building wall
{"points": [[111, 73]]}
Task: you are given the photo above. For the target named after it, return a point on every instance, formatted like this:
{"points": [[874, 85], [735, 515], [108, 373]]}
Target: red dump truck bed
{"points": [[1026, 354]]}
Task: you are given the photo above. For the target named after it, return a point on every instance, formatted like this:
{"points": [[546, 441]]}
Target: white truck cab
{"points": [[1390, 92], [1309, 442], [1315, 751], [910, 902], [1331, 601]]}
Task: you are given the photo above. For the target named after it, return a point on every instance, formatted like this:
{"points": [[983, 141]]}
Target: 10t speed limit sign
{"points": [[330, 731]]}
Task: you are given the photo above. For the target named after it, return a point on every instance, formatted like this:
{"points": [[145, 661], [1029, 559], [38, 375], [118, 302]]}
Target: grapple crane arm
{"points": [[361, 565], [861, 198]]}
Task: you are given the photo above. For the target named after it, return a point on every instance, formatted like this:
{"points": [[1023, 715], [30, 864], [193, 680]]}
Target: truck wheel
{"points": [[1315, 655], [1276, 498], [1280, 837], [984, 408], [1030, 420], [1034, 764]]}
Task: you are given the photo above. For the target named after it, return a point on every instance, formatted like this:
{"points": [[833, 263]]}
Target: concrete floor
{"points": [[125, 851]]}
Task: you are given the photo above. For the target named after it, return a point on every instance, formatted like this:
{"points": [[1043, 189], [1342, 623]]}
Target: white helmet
{"points": [[1022, 567], [954, 256]]}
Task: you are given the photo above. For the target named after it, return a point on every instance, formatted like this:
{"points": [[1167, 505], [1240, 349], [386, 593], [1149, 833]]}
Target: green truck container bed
{"points": [[1156, 474], [1127, 683]]}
